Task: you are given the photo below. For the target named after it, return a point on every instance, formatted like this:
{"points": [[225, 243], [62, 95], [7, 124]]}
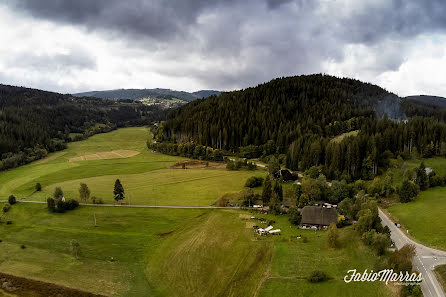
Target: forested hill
{"points": [[279, 110], [35, 122], [135, 94], [297, 119]]}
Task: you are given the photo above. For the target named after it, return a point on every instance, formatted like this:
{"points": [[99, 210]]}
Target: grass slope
{"points": [[127, 235], [440, 272], [425, 217], [144, 176], [215, 256], [294, 260]]}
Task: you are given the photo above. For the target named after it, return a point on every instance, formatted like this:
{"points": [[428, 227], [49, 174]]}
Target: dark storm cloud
{"points": [[250, 41], [399, 18], [157, 19]]}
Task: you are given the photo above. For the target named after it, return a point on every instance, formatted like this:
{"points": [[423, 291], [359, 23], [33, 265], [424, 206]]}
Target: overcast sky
{"points": [[72, 46]]}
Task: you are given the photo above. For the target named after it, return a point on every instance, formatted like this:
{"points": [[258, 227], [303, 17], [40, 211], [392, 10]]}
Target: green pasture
{"points": [[425, 217], [130, 236]]}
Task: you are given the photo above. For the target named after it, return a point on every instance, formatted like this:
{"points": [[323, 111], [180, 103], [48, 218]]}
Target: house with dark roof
{"points": [[285, 174], [317, 217]]}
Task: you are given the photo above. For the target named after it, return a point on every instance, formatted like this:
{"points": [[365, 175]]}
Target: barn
{"points": [[316, 217]]}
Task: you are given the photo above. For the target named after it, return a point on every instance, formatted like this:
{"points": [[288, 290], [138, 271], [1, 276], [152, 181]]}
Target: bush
{"points": [[436, 181], [318, 276], [8, 222], [12, 200], [408, 191], [254, 182], [96, 200], [51, 204], [23, 246], [294, 216], [38, 187], [6, 207], [71, 204]]}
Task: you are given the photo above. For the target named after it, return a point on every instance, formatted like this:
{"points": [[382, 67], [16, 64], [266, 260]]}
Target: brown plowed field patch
{"points": [[118, 154]]}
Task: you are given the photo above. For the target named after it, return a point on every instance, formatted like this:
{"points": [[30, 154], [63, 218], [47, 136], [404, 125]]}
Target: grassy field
{"points": [[293, 260], [173, 252], [130, 236], [425, 217], [440, 272], [144, 176]]}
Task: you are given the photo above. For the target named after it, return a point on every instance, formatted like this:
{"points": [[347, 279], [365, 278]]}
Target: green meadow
{"points": [[425, 217], [177, 252], [144, 176]]}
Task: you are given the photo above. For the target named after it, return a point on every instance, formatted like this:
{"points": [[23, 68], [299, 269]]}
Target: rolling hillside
{"points": [[135, 94], [429, 100], [35, 122]]}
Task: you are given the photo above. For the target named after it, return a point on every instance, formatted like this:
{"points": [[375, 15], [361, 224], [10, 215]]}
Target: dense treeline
{"points": [[298, 117], [34, 122]]}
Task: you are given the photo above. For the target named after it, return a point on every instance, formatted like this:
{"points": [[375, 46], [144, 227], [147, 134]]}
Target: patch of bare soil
{"points": [[19, 286], [164, 234], [118, 154], [195, 164]]}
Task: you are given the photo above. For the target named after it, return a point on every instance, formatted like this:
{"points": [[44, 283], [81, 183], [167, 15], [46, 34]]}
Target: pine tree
{"points": [[278, 190], [118, 191]]}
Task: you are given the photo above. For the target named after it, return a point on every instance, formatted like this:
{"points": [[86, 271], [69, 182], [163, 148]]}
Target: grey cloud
{"points": [[74, 60], [252, 40]]}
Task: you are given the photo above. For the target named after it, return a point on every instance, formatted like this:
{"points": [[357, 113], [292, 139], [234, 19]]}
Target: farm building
{"points": [[316, 217], [285, 174]]}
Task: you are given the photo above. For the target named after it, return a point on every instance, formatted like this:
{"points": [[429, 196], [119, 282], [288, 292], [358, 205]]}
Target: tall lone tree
{"points": [[84, 192], [118, 191], [333, 236], [267, 190], [58, 193]]}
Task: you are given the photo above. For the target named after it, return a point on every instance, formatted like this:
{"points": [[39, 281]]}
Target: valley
{"points": [[161, 252]]}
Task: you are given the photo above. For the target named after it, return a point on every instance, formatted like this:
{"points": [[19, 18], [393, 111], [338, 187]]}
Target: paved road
{"points": [[425, 260], [134, 206]]}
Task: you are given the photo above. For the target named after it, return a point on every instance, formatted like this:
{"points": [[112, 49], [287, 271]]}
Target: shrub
{"points": [[38, 187], [436, 181], [61, 205], [318, 276], [51, 204], [408, 191], [8, 222], [23, 246], [294, 216], [96, 200], [12, 200], [6, 207], [254, 182], [71, 204]]}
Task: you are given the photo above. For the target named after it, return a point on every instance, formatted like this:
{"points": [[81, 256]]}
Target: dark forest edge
{"points": [[34, 123]]}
